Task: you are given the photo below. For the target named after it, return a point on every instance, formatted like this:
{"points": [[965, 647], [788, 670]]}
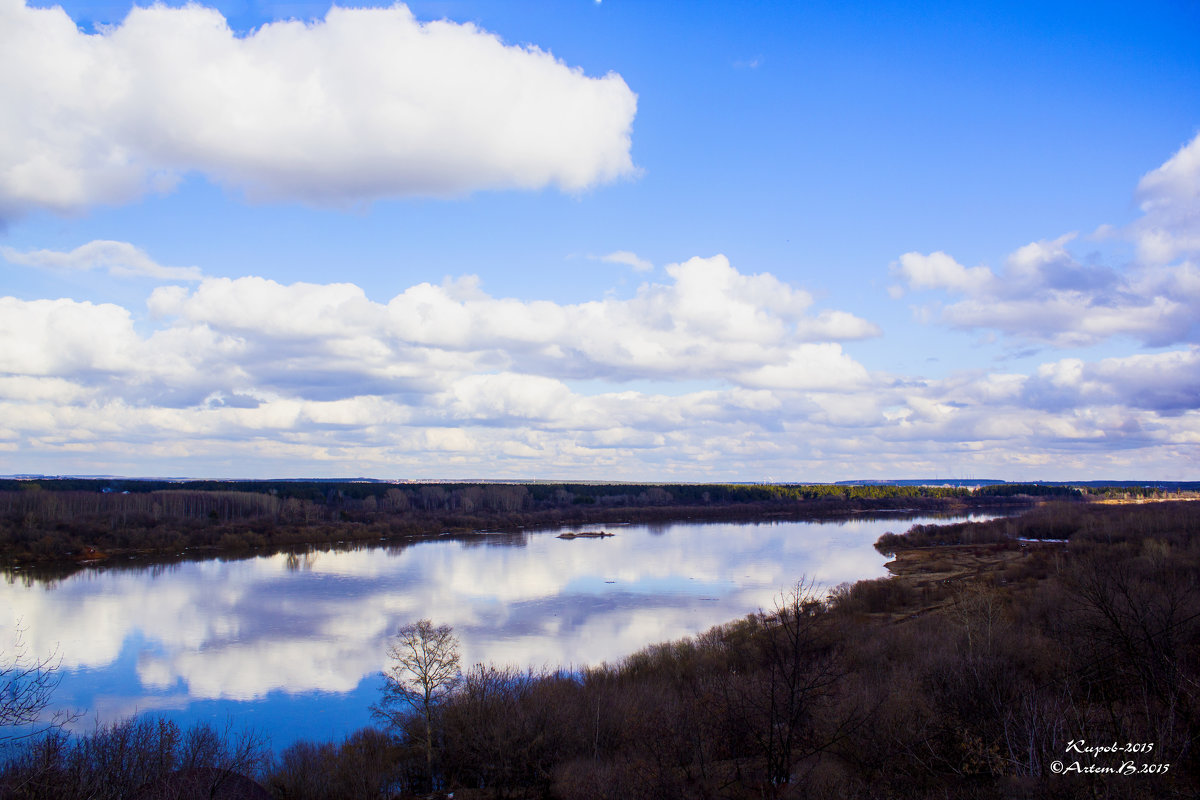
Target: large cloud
{"points": [[366, 103], [1167, 382], [710, 373], [323, 371], [1047, 293], [1170, 202], [709, 322]]}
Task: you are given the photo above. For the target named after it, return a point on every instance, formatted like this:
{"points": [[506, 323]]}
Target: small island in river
{"points": [[584, 535]]}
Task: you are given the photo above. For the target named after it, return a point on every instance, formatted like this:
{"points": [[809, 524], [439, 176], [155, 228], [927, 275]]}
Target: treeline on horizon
{"points": [[965, 685], [539, 491], [321, 491], [67, 519]]}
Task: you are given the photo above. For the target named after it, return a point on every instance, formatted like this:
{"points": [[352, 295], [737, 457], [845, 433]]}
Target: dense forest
{"points": [[1052, 654], [75, 519]]}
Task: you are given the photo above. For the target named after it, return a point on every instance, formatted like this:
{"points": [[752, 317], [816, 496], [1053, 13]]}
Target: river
{"points": [[292, 645]]}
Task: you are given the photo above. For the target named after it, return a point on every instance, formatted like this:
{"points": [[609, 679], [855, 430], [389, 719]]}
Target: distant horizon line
{"points": [[956, 482]]}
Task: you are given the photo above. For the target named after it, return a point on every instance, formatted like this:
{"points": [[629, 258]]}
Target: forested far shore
{"points": [[1051, 654], [78, 520]]}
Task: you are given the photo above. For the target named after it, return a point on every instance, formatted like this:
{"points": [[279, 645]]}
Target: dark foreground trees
{"points": [[368, 764], [142, 757], [750, 709], [789, 701], [27, 683]]}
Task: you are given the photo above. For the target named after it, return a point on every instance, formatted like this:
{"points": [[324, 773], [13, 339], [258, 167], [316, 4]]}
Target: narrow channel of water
{"points": [[292, 645]]}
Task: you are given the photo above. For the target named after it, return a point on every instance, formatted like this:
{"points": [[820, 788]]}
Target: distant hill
{"points": [[925, 482]]}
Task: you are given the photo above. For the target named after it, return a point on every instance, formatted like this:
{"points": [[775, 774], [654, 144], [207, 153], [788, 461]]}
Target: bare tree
{"points": [[784, 704], [142, 757], [422, 671], [26, 686]]}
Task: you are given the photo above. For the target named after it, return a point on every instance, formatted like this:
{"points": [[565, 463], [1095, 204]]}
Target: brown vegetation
{"points": [[139, 758], [989, 667], [83, 522]]}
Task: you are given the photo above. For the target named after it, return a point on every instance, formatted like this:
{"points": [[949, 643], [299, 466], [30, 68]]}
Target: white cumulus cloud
{"points": [[363, 104], [940, 271], [1170, 202], [1047, 293]]}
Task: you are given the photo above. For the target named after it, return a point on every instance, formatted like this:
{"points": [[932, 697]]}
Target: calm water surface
{"points": [[292, 645]]}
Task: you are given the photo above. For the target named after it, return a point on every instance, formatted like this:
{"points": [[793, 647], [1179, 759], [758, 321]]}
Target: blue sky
{"points": [[580, 240]]}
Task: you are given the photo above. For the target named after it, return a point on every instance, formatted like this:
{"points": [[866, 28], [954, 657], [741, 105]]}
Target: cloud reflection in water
{"points": [[240, 630]]}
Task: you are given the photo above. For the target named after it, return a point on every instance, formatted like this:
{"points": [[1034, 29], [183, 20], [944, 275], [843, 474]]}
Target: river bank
{"points": [[44, 524]]}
